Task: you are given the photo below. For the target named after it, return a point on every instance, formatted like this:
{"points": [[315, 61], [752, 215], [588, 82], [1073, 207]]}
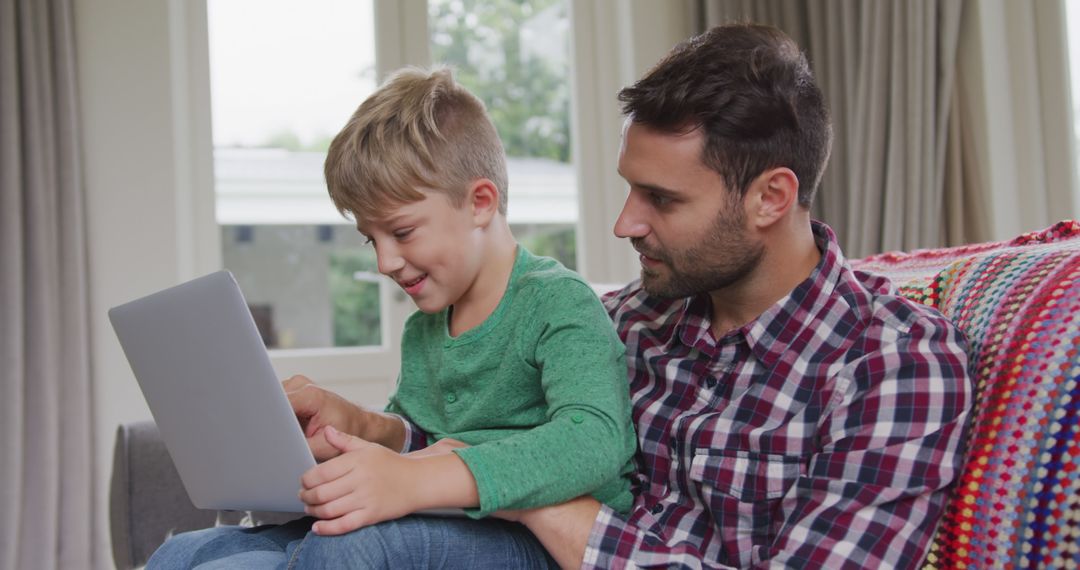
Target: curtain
{"points": [[888, 72], [1015, 80], [46, 466]]}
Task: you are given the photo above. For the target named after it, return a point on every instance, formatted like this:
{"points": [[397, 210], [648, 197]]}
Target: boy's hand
{"points": [[368, 484], [316, 409], [364, 485], [441, 447]]}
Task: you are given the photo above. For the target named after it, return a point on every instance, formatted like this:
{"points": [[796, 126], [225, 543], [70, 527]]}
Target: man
{"points": [[790, 411]]}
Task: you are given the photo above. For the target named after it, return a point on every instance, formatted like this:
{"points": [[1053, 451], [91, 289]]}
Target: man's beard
{"points": [[724, 257]]}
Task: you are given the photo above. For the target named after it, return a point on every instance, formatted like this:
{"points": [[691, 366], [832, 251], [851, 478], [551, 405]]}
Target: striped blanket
{"points": [[1017, 504]]}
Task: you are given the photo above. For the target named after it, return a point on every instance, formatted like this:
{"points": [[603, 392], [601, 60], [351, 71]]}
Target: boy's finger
{"points": [[326, 472], [339, 507], [327, 492], [341, 525], [344, 441]]}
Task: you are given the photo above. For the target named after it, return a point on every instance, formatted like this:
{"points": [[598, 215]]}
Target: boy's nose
{"points": [[388, 260]]}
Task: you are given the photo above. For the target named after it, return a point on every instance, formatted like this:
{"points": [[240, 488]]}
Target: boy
{"points": [[509, 353], [511, 363]]}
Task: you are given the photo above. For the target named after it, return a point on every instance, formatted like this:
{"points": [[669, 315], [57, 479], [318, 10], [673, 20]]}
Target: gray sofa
{"points": [[147, 502]]}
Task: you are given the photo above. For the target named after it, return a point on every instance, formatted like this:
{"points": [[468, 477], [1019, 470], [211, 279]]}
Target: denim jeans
{"points": [[410, 542]]}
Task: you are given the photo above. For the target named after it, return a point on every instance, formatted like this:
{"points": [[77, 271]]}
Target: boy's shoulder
{"points": [[538, 273]]}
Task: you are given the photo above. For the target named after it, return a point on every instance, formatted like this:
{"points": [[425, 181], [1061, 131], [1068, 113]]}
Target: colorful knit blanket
{"points": [[1017, 503]]}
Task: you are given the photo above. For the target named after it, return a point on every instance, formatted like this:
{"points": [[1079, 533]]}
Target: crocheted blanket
{"points": [[1017, 503]]}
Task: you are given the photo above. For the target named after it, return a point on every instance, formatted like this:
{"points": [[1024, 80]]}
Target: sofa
{"points": [[1017, 502]]}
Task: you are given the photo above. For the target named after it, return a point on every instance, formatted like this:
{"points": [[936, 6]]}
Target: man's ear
{"points": [[771, 196], [483, 198]]}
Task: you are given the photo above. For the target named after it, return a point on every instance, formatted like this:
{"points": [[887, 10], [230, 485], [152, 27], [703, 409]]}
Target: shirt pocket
{"points": [[742, 492], [748, 477]]}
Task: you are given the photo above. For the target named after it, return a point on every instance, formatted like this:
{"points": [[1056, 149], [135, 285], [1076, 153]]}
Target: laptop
{"points": [[220, 408]]}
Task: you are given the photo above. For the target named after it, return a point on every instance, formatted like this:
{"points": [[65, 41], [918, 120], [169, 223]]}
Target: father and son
{"points": [[782, 410]]}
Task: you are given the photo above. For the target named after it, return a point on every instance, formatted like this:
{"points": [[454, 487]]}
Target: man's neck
{"points": [[790, 257]]}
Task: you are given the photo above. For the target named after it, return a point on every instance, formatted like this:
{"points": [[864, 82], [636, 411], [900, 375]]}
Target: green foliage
{"points": [[356, 303], [285, 139], [552, 241], [527, 97], [289, 140]]}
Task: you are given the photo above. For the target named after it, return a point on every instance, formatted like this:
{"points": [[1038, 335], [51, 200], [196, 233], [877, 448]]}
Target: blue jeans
{"points": [[410, 542]]}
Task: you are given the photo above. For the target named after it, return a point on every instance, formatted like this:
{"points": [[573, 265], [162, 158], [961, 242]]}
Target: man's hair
{"points": [[751, 91], [419, 130]]}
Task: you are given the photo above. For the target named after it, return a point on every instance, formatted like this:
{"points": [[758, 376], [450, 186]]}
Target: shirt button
{"points": [[657, 509], [451, 398], [577, 418], [710, 382]]}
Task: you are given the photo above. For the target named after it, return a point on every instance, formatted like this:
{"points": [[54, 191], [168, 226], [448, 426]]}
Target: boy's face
{"points": [[429, 248]]}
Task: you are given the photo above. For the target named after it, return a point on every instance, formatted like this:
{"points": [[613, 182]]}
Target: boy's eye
{"points": [[369, 240], [402, 233]]}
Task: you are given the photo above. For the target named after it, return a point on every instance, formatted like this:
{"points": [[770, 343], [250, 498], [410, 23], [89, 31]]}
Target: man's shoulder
{"points": [[883, 301], [883, 316]]}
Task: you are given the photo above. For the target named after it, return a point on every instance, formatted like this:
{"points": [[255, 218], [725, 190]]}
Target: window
{"points": [[515, 56], [280, 90], [286, 74]]}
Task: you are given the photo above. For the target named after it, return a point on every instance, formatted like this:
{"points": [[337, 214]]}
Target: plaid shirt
{"points": [[821, 435]]}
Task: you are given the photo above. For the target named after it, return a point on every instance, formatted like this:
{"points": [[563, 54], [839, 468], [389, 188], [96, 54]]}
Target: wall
{"points": [[137, 172]]}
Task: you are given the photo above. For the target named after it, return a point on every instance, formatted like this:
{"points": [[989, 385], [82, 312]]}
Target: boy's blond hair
{"points": [[419, 130]]}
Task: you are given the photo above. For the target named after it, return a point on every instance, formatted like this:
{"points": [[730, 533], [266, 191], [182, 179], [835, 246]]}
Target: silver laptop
{"points": [[220, 408]]}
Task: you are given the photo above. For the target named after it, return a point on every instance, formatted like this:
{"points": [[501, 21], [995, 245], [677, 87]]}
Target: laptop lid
{"points": [[220, 408]]}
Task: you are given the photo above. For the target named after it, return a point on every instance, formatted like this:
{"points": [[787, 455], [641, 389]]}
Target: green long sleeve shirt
{"points": [[538, 390]]}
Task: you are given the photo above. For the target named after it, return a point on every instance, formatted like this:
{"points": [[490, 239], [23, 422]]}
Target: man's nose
{"points": [[631, 222]]}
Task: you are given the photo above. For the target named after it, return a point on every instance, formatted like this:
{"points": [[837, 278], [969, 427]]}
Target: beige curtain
{"points": [[46, 471], [888, 71], [1014, 80]]}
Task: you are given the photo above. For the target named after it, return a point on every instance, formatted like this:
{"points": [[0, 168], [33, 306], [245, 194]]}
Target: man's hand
{"points": [[364, 485], [317, 408], [563, 529]]}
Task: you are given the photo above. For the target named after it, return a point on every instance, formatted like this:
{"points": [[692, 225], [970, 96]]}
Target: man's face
{"points": [[680, 216]]}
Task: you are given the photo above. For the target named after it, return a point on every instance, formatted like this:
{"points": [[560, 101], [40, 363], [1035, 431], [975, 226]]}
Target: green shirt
{"points": [[539, 390]]}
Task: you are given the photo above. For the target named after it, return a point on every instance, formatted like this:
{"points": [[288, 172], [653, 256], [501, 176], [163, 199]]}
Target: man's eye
{"points": [[659, 199]]}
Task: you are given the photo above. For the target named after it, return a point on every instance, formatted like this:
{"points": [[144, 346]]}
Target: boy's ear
{"points": [[772, 194], [483, 198]]}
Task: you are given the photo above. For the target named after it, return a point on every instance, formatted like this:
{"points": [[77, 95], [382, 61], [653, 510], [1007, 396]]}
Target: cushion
{"points": [[147, 501], [1017, 503]]}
